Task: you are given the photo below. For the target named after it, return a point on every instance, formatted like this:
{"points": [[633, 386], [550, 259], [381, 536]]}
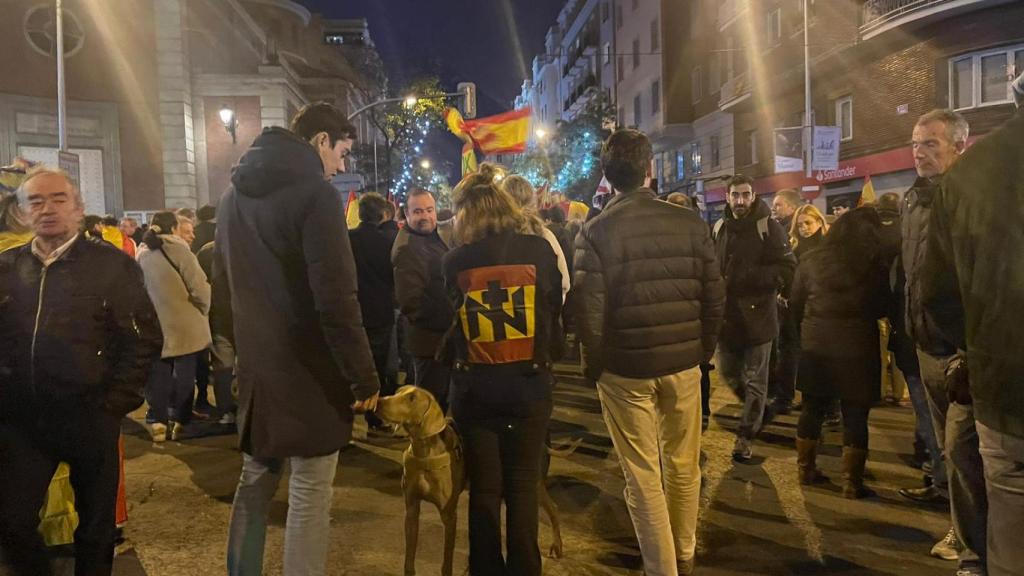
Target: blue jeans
{"points": [[926, 431], [307, 529], [746, 372], [171, 389]]}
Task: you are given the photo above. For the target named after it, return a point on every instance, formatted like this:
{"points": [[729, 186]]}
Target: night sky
{"points": [[455, 40]]}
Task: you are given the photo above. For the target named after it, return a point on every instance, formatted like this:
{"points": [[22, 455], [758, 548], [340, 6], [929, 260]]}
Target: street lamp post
{"points": [[62, 103]]}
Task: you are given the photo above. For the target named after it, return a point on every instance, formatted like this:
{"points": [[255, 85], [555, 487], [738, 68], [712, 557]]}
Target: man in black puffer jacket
{"points": [[78, 335], [648, 304], [758, 265]]}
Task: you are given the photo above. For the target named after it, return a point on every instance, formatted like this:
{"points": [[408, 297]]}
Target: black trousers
{"points": [[503, 445], [29, 453], [434, 377], [380, 348], [855, 419], [784, 360]]}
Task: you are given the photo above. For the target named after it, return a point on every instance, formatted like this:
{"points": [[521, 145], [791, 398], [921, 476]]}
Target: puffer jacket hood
{"points": [[277, 160]]}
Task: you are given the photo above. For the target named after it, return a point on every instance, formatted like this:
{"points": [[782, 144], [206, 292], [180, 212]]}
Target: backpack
{"points": [[762, 229]]}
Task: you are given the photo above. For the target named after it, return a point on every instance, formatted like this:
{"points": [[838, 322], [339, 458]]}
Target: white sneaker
{"points": [[159, 432], [948, 548]]}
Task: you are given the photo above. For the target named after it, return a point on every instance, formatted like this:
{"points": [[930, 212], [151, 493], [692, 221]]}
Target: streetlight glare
{"points": [[226, 115], [411, 101], [541, 133], [425, 164]]}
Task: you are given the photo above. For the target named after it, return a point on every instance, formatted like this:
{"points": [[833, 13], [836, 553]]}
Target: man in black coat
{"points": [[758, 266], [304, 363], [938, 140], [648, 307], [205, 229], [78, 335], [371, 248], [420, 290], [971, 289]]}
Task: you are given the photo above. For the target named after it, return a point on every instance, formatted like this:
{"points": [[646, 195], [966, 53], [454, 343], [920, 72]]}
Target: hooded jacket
{"points": [[914, 248], [303, 356], [973, 276], [648, 292], [756, 269]]}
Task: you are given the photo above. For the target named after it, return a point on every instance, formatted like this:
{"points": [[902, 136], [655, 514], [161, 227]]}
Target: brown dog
{"points": [[434, 470]]}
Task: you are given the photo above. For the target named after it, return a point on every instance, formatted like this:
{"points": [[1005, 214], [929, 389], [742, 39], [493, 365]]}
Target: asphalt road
{"points": [[755, 519]]}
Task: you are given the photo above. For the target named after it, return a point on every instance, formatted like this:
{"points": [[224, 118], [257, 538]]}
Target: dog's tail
{"points": [[564, 450]]}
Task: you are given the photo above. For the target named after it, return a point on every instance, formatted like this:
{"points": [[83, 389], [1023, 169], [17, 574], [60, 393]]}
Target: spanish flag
{"points": [[867, 193], [499, 134], [352, 211]]}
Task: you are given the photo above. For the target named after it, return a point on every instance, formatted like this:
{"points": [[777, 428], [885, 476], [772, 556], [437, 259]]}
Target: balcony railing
{"points": [[734, 91], [880, 15]]}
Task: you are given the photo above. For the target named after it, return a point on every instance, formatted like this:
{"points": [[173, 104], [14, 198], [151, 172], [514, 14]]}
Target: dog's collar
{"points": [[436, 462]]}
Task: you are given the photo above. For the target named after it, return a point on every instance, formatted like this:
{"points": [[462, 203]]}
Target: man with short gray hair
{"points": [[939, 138], [78, 335]]}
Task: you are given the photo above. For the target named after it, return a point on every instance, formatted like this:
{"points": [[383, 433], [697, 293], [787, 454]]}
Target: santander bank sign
{"points": [[842, 173]]}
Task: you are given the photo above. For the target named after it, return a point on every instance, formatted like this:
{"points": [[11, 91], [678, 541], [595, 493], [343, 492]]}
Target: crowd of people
{"points": [[313, 322]]}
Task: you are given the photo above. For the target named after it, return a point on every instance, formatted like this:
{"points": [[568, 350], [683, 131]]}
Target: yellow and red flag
{"points": [[352, 211], [499, 134], [867, 193]]}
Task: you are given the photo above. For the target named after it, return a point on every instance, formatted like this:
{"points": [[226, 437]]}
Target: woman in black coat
{"points": [[840, 292], [507, 291]]}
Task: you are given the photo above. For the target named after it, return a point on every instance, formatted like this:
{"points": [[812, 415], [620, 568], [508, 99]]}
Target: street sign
{"points": [[788, 150], [826, 148], [68, 162]]}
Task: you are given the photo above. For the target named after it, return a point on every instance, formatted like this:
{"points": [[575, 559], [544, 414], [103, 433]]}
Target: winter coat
{"points": [[566, 240], [507, 293], [890, 236], [220, 293], [648, 293], [371, 248], [80, 333], [390, 229], [303, 356], [839, 306], [973, 277], [205, 232], [420, 291], [181, 295], [756, 270], [914, 224]]}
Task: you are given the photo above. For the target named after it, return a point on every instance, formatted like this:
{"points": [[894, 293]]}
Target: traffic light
{"points": [[468, 90]]}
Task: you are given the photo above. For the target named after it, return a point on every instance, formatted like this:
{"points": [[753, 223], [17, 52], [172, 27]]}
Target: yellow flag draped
{"points": [[867, 193]]}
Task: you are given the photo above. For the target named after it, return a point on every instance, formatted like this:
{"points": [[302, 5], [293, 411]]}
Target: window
{"points": [[655, 36], [716, 151], [680, 164], [656, 97], [40, 26], [636, 53], [844, 118], [715, 72], [695, 84], [606, 52], [621, 118], [618, 16], [774, 27], [637, 110], [695, 158], [659, 169], [667, 165], [620, 67], [605, 11], [983, 78], [752, 144]]}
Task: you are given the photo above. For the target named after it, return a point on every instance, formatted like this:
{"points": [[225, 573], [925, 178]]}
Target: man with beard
{"points": [[757, 263]]}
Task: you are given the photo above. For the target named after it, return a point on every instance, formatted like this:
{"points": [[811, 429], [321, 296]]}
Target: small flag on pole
{"points": [[604, 189], [867, 193]]}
